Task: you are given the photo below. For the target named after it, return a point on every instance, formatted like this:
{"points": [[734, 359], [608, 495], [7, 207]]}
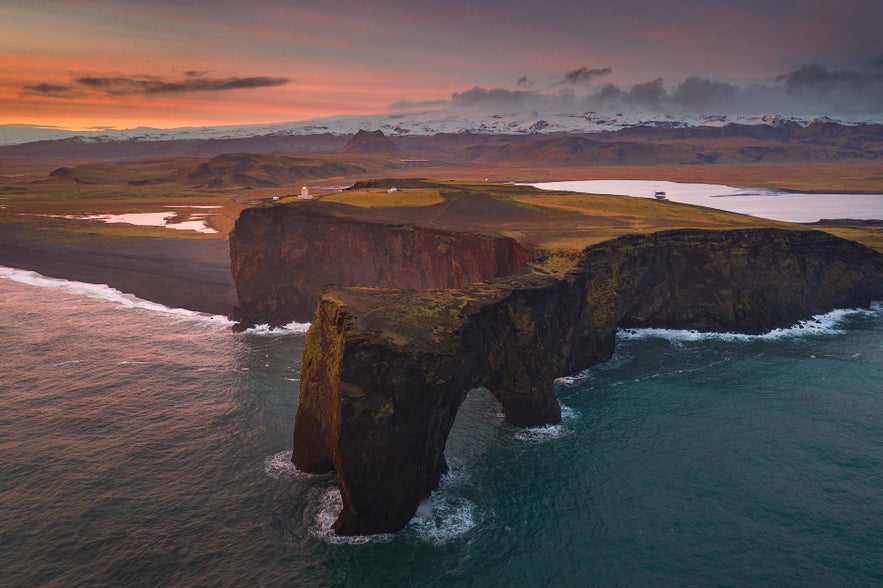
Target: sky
{"points": [[95, 64]]}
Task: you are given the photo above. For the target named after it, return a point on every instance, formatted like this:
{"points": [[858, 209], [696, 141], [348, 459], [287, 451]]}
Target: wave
{"points": [[106, 293], [829, 323], [320, 525], [292, 328], [442, 518], [279, 466], [548, 432]]}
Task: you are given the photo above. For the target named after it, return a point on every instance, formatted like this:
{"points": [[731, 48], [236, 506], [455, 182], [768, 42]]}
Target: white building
{"points": [[305, 193]]}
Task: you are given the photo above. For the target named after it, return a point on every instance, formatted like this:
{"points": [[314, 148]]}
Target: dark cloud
{"points": [[584, 75], [697, 94], [609, 93], [408, 105], [51, 91], [817, 78], [194, 81], [648, 95], [849, 89], [494, 98], [808, 90]]}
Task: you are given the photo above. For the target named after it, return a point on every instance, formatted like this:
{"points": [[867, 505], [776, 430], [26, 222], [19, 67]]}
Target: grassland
{"points": [[380, 198], [35, 195], [841, 177]]}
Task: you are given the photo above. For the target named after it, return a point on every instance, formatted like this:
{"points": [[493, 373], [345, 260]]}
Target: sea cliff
{"points": [[282, 257], [418, 316], [385, 371]]}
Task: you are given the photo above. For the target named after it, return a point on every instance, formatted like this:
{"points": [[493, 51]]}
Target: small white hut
{"points": [[392, 190], [305, 193]]}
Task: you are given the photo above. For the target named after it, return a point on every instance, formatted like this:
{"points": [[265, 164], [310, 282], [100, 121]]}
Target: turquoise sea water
{"points": [[142, 446]]}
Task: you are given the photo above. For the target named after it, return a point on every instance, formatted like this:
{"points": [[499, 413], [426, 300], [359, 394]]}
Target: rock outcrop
{"points": [[369, 143], [281, 257], [495, 287], [385, 370]]}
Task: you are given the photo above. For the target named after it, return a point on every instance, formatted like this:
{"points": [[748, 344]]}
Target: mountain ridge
{"points": [[424, 123]]}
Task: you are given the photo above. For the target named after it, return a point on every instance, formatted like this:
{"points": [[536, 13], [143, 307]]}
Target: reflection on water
{"points": [[762, 202]]}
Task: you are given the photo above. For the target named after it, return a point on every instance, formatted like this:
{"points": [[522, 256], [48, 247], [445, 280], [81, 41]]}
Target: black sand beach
{"points": [[179, 273]]}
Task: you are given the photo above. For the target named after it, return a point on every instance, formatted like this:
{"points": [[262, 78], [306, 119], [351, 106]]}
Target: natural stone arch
{"points": [[385, 371]]}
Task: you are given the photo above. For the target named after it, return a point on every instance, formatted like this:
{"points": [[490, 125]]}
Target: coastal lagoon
{"points": [[197, 221], [147, 445], [763, 202]]}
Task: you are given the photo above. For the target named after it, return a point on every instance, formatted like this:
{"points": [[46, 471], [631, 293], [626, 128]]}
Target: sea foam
{"points": [[292, 328], [820, 324], [442, 518], [105, 292], [548, 432], [280, 466], [320, 525]]}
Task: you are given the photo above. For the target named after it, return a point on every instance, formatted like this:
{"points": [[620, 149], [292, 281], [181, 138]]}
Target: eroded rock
{"points": [[385, 370]]}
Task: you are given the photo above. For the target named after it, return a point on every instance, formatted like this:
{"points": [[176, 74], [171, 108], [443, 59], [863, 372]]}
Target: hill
{"points": [[369, 143], [250, 170]]}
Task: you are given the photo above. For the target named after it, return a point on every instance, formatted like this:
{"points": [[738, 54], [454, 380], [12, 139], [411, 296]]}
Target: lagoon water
{"points": [[763, 202], [140, 445]]}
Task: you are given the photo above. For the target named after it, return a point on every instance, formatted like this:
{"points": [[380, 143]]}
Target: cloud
{"points": [[584, 75], [523, 82], [648, 94], [808, 90], [408, 105], [817, 78], [494, 98], [697, 94], [51, 91], [858, 89], [194, 81]]}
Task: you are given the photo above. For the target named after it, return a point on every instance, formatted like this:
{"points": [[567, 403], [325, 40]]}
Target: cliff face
{"points": [[385, 371], [282, 257]]}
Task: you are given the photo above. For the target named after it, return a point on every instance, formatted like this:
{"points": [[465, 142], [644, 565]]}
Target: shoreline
{"points": [[178, 273]]}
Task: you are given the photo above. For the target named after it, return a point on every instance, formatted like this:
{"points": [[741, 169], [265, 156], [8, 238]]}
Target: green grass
{"points": [[379, 198]]}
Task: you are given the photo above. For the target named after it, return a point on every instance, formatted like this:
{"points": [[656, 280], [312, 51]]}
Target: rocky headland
{"points": [[424, 313]]}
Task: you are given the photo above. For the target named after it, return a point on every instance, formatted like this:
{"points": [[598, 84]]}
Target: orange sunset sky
{"points": [[101, 64]]}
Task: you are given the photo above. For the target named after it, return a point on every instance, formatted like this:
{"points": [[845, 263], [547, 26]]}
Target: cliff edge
{"points": [[439, 288], [385, 370]]}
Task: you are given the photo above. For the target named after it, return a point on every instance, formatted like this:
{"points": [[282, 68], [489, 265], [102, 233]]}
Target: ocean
{"points": [[141, 445]]}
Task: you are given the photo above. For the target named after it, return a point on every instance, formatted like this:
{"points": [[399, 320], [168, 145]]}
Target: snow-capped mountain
{"points": [[418, 123]]}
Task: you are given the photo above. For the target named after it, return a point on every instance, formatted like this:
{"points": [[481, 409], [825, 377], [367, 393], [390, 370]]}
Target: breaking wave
{"points": [[292, 328], [280, 466], [829, 323], [443, 518], [320, 523], [548, 432], [105, 292]]}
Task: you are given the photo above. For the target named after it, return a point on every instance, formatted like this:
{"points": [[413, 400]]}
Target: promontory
{"points": [[420, 291]]}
